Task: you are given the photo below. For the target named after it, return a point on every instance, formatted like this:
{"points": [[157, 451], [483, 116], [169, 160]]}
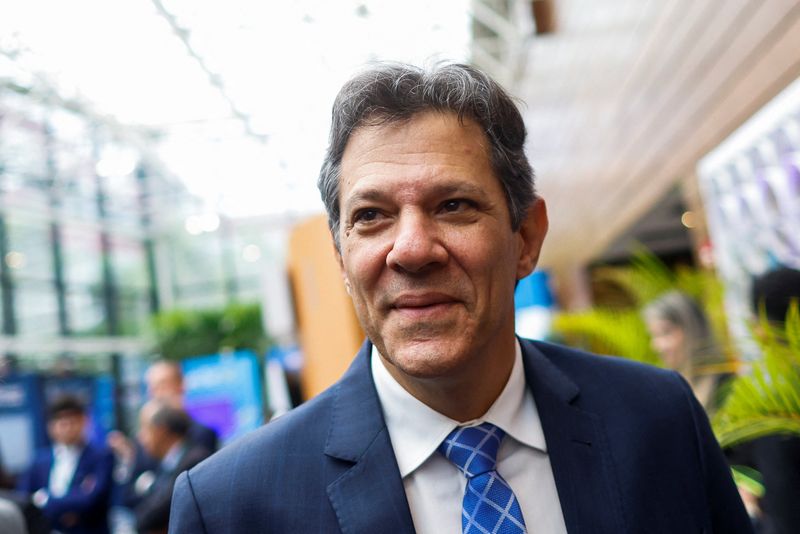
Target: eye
{"points": [[366, 215], [456, 205]]}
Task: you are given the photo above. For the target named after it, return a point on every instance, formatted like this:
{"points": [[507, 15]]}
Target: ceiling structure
{"points": [[625, 97]]}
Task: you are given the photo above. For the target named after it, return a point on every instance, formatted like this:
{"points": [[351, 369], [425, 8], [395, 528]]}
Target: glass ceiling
{"points": [[238, 93]]}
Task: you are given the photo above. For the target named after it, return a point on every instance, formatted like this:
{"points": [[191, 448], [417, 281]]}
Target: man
{"points": [[163, 433], [445, 420], [71, 481], [164, 380]]}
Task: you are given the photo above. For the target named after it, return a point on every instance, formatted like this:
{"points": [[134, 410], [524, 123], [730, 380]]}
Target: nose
{"points": [[417, 245]]}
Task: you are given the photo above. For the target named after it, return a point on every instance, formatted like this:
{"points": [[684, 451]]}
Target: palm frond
{"points": [[645, 279], [621, 333], [767, 400]]}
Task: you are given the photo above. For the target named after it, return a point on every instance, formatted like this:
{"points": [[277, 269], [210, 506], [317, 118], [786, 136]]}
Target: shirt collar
{"points": [[416, 430], [66, 451], [173, 456]]}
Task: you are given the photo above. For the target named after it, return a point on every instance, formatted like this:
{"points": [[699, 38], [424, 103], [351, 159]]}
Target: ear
{"points": [[341, 268], [532, 232]]}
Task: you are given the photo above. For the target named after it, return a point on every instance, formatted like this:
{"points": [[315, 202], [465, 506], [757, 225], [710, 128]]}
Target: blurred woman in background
{"points": [[681, 335]]}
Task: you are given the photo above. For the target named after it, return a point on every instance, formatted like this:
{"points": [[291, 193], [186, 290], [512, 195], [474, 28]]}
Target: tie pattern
{"points": [[489, 505]]}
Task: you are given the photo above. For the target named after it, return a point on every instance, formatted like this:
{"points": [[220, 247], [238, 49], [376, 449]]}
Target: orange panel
{"points": [[329, 331]]}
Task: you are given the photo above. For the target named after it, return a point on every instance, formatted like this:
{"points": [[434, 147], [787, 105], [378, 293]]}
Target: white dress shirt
{"points": [[435, 487], [65, 461]]}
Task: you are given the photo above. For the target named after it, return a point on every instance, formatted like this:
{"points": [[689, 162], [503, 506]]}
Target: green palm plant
{"points": [[622, 331], [766, 400], [182, 333], [648, 277], [603, 331]]}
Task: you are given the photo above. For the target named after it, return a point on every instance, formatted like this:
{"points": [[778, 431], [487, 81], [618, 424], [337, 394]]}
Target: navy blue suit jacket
{"points": [[630, 447], [84, 508]]}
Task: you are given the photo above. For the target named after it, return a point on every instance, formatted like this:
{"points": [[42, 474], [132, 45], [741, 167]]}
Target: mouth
{"points": [[422, 306]]}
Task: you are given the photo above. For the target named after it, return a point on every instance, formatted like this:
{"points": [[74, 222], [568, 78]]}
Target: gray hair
{"points": [[684, 312], [395, 92]]}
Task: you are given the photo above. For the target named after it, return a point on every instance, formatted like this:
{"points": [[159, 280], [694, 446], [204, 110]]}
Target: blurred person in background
{"points": [[71, 481], [11, 519], [434, 219], [776, 457], [681, 335], [164, 435], [164, 382]]}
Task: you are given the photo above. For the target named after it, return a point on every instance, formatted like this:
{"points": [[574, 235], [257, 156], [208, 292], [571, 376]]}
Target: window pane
{"points": [[37, 309], [86, 311], [29, 241], [134, 311], [75, 166], [128, 258], [82, 259]]}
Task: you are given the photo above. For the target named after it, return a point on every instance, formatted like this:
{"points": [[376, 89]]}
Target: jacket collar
{"points": [[576, 442], [369, 496]]}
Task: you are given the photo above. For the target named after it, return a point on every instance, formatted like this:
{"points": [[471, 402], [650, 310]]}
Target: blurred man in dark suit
{"points": [[71, 481], [164, 381], [163, 433]]}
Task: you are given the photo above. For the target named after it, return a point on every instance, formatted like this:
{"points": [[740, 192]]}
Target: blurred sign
{"points": [[22, 428], [224, 392], [533, 301]]}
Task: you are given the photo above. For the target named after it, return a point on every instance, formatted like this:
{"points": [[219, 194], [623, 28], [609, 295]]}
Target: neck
{"points": [[470, 393]]}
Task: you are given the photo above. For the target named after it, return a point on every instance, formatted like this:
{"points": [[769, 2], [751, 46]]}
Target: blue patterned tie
{"points": [[489, 505]]}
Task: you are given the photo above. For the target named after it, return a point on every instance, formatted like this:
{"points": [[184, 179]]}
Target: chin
{"points": [[427, 359]]}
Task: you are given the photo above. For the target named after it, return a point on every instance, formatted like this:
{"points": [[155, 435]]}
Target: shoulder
{"points": [[587, 368], [43, 456], [299, 435], [201, 431], [612, 382], [193, 456], [98, 453]]}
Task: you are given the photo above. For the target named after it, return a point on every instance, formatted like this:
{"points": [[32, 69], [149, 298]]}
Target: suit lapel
{"points": [[369, 496], [577, 447], [80, 468]]}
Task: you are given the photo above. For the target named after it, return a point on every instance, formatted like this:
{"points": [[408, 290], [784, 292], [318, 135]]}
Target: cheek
{"points": [[488, 263], [362, 267]]}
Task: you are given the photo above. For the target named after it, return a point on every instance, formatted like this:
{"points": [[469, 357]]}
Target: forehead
{"points": [[429, 143], [66, 416], [443, 128], [162, 372]]}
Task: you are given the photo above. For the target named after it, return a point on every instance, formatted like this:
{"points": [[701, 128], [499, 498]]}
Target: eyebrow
{"points": [[439, 190]]}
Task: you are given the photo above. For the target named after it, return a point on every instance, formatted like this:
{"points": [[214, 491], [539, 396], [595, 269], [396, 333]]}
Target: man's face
{"points": [[67, 428], [150, 436], [427, 250], [164, 383]]}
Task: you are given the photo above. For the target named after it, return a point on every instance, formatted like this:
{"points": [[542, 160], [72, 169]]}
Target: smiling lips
{"points": [[423, 305]]}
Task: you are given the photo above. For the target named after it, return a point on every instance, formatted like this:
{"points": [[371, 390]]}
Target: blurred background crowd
{"points": [[167, 282]]}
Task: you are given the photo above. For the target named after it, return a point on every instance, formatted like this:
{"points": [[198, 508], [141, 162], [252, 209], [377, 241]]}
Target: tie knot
{"points": [[473, 449]]}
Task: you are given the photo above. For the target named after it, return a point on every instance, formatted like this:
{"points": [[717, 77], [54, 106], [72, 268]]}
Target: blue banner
{"points": [[224, 392]]}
